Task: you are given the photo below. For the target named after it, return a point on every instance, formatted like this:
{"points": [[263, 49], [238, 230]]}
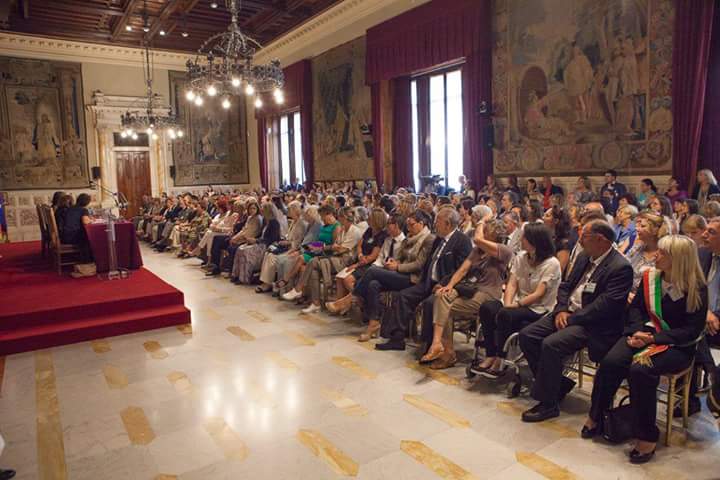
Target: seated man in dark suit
{"points": [[449, 251], [589, 313], [710, 263]]}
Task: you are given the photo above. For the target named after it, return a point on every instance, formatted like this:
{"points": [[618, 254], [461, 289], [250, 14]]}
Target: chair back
{"points": [[44, 231], [54, 233]]}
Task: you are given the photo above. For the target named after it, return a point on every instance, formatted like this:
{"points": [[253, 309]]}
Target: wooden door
{"points": [[133, 179]]}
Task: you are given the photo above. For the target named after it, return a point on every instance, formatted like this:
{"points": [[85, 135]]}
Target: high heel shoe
{"points": [[340, 306], [638, 458], [588, 433], [433, 354], [373, 331]]}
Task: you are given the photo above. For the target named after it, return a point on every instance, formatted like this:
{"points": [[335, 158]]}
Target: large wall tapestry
{"points": [[214, 151], [42, 125], [582, 86], [341, 105]]}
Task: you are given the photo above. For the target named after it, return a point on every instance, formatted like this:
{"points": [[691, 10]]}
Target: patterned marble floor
{"points": [[254, 390]]}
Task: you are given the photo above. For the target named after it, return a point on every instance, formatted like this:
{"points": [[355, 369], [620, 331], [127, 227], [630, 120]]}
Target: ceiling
{"points": [[120, 22]]}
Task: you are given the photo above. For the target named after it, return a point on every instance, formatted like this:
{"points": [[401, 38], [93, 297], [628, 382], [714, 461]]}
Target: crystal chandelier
{"points": [[151, 120], [224, 67]]}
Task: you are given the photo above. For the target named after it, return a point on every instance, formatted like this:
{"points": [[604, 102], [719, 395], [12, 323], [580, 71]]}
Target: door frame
{"points": [[106, 112], [116, 163]]}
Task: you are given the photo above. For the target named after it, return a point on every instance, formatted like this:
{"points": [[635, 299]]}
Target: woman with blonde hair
{"points": [[665, 319], [367, 251], [650, 228]]}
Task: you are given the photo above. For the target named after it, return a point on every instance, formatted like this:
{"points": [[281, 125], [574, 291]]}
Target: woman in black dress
{"points": [[73, 230]]}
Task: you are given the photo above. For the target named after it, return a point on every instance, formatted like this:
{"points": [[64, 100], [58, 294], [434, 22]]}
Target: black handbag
{"points": [[277, 249], [466, 289], [617, 422]]}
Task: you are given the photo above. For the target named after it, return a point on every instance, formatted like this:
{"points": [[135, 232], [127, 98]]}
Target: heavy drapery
{"points": [[434, 34], [709, 156], [298, 92], [691, 52]]}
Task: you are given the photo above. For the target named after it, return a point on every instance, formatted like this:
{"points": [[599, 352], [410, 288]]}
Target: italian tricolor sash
{"points": [[653, 303]]}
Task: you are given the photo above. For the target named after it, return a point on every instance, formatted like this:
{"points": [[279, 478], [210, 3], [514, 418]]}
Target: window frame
{"points": [[443, 71]]}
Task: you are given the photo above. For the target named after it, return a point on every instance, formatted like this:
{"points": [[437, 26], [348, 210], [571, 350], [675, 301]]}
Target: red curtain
{"points": [[709, 139], [306, 120], [402, 132], [431, 35], [426, 36], [262, 151], [377, 131], [693, 31], [423, 110], [298, 92], [477, 87]]}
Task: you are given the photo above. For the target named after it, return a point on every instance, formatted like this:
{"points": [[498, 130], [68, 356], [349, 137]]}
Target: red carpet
{"points": [[39, 309]]}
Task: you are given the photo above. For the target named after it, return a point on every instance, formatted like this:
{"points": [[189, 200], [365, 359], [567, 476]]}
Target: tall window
{"points": [[291, 158], [437, 126]]}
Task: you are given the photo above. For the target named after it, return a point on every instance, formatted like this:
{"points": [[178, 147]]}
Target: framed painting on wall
{"points": [[341, 114], [215, 150], [42, 125], [582, 86]]}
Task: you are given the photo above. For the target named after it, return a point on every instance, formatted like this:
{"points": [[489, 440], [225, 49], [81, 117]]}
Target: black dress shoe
{"points": [[713, 400], [588, 433], [638, 458], [566, 386], [693, 408], [213, 273], [391, 345], [541, 412], [7, 474]]}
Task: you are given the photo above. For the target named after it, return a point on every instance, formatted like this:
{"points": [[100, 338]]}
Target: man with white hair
{"points": [[449, 251]]}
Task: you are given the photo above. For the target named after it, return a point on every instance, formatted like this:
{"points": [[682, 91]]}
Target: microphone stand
{"points": [[114, 272]]}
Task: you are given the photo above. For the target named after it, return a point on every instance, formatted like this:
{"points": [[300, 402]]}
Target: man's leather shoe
{"points": [[566, 386], [541, 412], [7, 474], [391, 345]]}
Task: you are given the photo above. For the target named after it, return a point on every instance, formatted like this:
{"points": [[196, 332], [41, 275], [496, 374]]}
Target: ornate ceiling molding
{"points": [[29, 46], [105, 110], [339, 24]]}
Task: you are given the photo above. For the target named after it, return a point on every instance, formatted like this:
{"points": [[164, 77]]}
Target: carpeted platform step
{"points": [[41, 309], [91, 327], [42, 314]]}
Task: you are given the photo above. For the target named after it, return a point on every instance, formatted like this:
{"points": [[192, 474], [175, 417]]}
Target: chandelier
{"points": [[151, 120], [224, 67]]}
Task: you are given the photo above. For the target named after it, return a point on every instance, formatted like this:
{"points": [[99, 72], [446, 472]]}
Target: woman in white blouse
{"points": [[531, 292]]}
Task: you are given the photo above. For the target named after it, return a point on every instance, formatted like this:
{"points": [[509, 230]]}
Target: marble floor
{"points": [[252, 390]]}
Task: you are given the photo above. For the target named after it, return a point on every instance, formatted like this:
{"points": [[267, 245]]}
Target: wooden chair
{"points": [[59, 249], [44, 230], [678, 389]]}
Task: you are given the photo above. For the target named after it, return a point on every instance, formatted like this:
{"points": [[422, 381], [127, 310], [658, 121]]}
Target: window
{"points": [[290, 140], [437, 126]]}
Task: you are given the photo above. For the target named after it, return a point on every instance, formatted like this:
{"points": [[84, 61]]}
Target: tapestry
{"points": [[214, 150], [341, 114], [42, 125], [582, 86]]}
